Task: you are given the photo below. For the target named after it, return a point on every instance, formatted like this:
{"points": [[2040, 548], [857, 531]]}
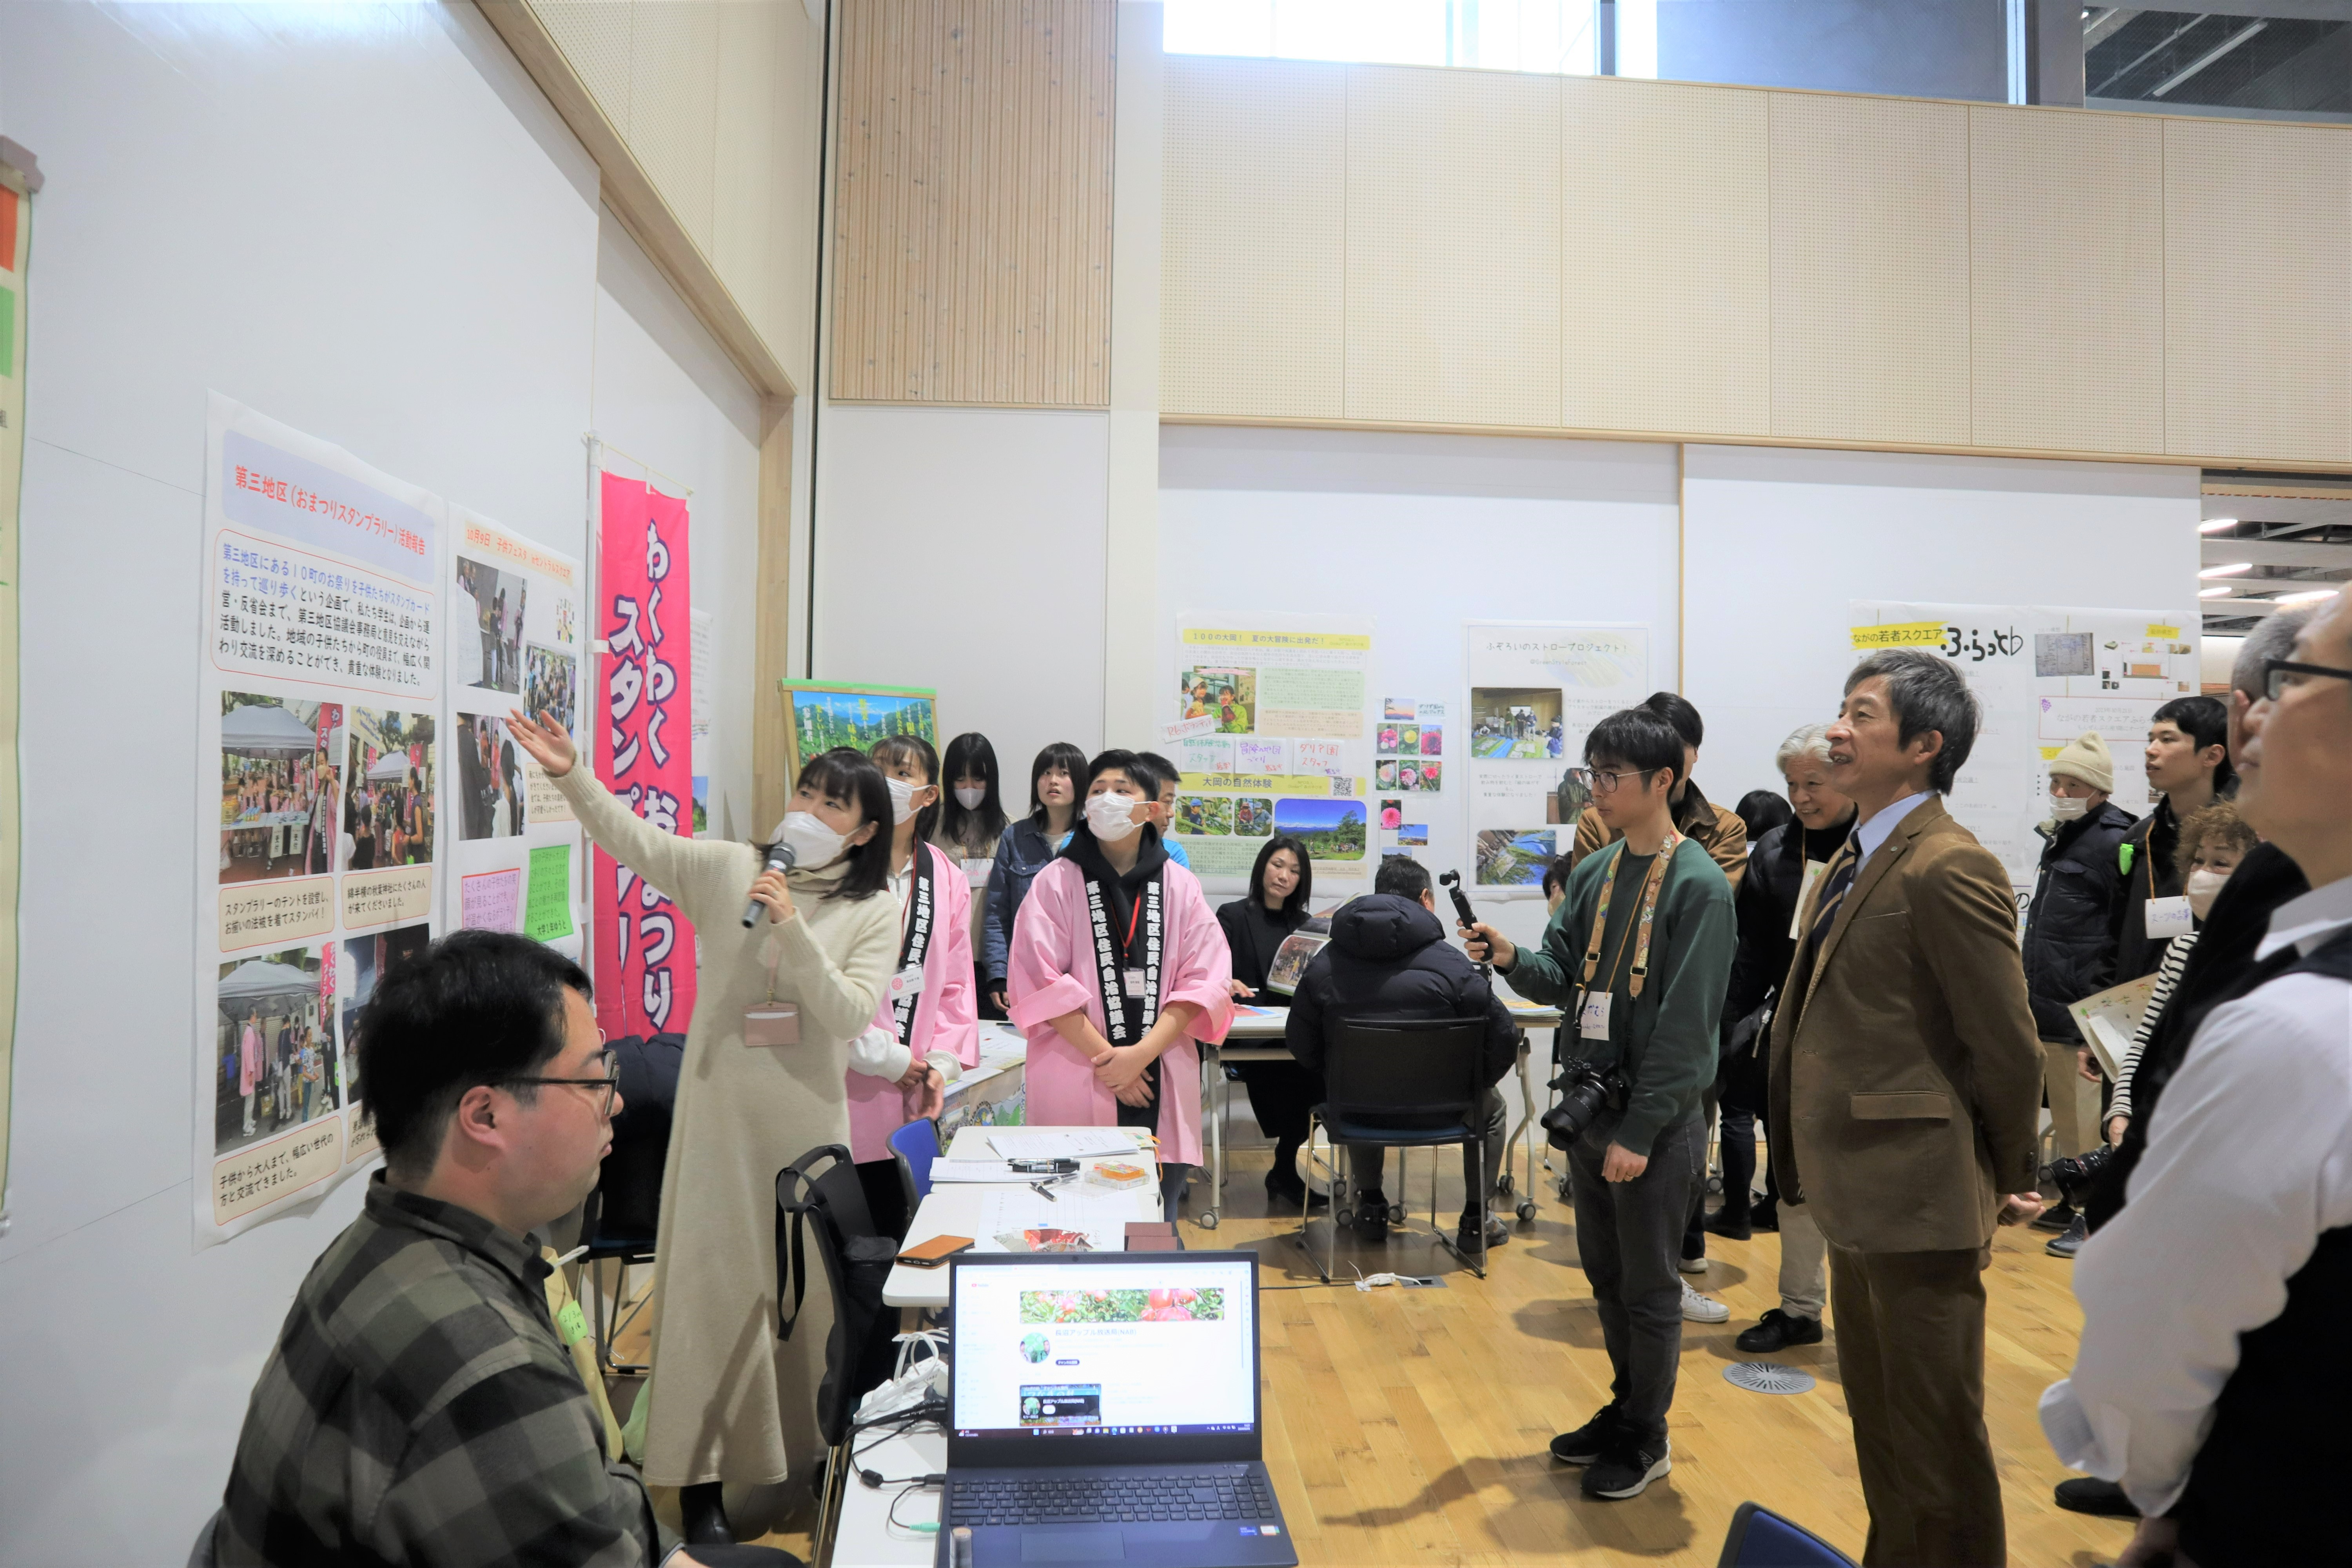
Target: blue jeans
{"points": [[1629, 1235]]}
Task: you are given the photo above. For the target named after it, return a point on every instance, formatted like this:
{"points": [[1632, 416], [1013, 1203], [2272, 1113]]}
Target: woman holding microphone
{"points": [[778, 1008], [1110, 1038]]}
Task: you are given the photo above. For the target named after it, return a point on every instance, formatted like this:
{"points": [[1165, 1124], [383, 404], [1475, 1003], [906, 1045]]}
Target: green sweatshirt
{"points": [[1664, 1039]]}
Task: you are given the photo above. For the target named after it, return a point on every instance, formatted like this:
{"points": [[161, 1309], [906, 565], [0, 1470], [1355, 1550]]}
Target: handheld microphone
{"points": [[780, 857]]}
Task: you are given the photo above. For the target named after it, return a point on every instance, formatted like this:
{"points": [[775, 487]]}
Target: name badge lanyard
{"points": [[1651, 884], [1109, 960], [916, 946]]}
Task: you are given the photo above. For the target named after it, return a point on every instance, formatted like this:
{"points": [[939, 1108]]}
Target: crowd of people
{"points": [[1851, 970], [389, 823], [286, 804], [282, 1067]]}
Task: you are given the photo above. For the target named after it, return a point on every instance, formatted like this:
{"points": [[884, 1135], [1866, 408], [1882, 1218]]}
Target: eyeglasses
{"points": [[2279, 674], [1601, 782], [610, 1083]]}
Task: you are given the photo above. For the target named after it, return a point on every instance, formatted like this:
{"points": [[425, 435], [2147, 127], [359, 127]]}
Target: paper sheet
{"points": [[996, 1171], [2110, 1019], [1062, 1143]]}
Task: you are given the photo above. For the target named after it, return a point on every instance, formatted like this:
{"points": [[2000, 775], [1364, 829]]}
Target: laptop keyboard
{"points": [[1081, 1499]]}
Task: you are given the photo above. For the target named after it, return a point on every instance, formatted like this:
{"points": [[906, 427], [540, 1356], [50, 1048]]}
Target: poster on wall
{"points": [[644, 947], [514, 642], [1536, 689], [2043, 674], [16, 245], [1266, 719], [820, 715], [317, 816]]}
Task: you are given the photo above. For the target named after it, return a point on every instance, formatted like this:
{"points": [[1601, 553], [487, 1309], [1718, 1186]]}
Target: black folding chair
{"points": [[1400, 1083], [819, 1194]]}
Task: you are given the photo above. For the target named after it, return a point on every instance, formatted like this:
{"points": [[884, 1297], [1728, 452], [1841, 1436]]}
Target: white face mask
{"points": [[902, 798], [2067, 808], [2204, 887], [1109, 816], [970, 799], [813, 843]]}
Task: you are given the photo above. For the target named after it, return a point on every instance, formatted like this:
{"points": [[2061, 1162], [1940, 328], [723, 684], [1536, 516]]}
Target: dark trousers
{"points": [[1910, 1350], [1368, 1163], [1627, 1235]]}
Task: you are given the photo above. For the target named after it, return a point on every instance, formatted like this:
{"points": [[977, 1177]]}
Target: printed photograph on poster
{"points": [[1228, 694], [495, 601], [274, 1047], [1331, 829], [389, 813], [1393, 709], [280, 784], [1413, 835], [1253, 817], [364, 961], [1212, 814], [1514, 857], [822, 716], [1522, 723], [551, 685], [1392, 816], [1433, 740], [702, 805], [493, 795]]}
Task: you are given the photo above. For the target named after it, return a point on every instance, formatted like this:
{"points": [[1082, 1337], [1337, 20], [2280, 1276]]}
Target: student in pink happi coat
{"points": [[1116, 968], [927, 1030]]}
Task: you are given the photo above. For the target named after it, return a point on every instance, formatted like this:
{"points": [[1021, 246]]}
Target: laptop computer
{"points": [[1103, 1407]]}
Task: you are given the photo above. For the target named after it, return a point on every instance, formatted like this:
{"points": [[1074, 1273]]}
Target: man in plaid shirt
{"points": [[419, 1409]]}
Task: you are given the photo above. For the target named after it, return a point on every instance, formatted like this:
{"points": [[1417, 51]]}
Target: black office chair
{"points": [[622, 1215], [820, 1194], [1402, 1083]]}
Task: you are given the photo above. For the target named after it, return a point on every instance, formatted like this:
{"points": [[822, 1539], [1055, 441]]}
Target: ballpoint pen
{"points": [[1044, 1191]]}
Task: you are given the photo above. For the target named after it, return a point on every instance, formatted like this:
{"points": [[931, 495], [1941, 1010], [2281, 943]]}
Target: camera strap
{"points": [[1652, 885]]}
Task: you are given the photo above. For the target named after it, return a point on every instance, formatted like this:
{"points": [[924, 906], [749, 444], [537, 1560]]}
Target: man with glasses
{"points": [[1639, 953], [418, 1407], [2213, 1362]]}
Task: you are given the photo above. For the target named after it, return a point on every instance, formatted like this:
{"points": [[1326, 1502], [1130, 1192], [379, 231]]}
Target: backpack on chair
{"points": [[859, 1352]]}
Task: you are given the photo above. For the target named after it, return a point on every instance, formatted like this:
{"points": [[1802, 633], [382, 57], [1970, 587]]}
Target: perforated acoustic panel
{"points": [[1453, 224], [1254, 237], [2258, 291], [744, 187], [595, 37], [672, 94], [1870, 268], [2066, 281], [1665, 258]]}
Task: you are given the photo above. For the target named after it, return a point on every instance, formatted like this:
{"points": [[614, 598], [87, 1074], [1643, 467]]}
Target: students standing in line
{"points": [[1639, 954], [1111, 1038], [1781, 872], [1280, 1093], [2188, 758], [927, 1031], [1026, 848], [778, 1007], [972, 820]]}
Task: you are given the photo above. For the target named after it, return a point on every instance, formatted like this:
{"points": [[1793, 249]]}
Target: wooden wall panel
{"points": [[972, 211], [2258, 291], [2066, 281], [1870, 268], [1254, 249], [1453, 224], [1665, 258]]}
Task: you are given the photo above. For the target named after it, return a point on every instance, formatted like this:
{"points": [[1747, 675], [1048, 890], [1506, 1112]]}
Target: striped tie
{"points": [[1835, 884]]}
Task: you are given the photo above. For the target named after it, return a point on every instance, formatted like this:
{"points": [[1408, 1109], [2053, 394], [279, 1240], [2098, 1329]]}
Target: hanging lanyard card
{"points": [[771, 1024], [2170, 917], [1592, 1016]]}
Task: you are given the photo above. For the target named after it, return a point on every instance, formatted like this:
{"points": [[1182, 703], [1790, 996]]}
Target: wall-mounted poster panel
{"points": [[2043, 676], [316, 812], [821, 714]]}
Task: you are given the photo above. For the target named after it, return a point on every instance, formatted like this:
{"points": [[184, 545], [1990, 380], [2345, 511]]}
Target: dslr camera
{"points": [[1585, 1092], [2073, 1174]]}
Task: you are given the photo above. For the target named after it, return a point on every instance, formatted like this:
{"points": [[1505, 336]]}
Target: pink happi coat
{"points": [[947, 1012], [1050, 971]]}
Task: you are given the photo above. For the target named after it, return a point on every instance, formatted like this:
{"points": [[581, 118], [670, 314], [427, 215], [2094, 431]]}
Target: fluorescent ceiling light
{"points": [[2217, 524], [2220, 593], [2231, 570], [2309, 595]]}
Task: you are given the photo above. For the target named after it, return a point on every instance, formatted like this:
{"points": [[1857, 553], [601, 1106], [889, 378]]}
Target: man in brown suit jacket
{"points": [[1907, 1084]]}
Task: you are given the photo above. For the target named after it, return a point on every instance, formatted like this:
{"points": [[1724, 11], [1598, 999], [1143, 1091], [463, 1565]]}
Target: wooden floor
{"points": [[1409, 1427]]}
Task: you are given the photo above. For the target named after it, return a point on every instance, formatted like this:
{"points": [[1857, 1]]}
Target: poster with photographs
{"points": [[318, 704], [2044, 675], [1265, 715], [1536, 689], [514, 642]]}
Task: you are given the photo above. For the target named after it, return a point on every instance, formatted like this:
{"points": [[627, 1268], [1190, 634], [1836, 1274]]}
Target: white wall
{"points": [[365, 222], [1779, 541], [1422, 534], [964, 549]]}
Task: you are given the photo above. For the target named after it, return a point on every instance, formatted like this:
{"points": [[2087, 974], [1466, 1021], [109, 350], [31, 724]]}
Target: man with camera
{"points": [[1639, 954]]}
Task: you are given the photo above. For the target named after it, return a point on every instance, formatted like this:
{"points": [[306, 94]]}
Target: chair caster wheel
{"points": [[1207, 1221], [1503, 1184], [1526, 1211]]}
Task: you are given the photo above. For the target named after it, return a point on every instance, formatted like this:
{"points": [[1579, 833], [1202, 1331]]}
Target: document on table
{"points": [[1102, 1215], [997, 1170], [1063, 1143]]}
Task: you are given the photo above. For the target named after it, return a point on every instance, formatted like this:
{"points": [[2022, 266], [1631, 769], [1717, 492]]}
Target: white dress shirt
{"points": [[2249, 1159], [1869, 836]]}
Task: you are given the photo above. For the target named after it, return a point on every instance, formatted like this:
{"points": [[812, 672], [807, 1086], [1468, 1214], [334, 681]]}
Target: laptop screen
{"points": [[1155, 1345]]}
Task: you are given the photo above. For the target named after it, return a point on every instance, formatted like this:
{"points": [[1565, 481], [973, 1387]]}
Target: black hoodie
{"points": [[1388, 958]]}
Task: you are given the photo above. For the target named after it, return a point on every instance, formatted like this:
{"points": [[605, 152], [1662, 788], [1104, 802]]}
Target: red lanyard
{"points": [[1137, 909]]}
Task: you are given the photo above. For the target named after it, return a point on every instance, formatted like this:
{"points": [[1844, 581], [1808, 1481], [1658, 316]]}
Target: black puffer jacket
{"points": [[1389, 958], [2070, 929]]}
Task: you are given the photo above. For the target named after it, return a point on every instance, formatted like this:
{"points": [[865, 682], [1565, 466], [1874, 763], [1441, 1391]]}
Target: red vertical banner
{"points": [[644, 948]]}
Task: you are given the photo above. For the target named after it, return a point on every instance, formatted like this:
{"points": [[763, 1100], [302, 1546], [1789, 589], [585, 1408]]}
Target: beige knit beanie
{"points": [[2086, 757]]}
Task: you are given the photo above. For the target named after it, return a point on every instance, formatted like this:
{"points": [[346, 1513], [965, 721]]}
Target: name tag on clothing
{"points": [[772, 1023], [1813, 870], [2170, 917], [1592, 1019], [976, 870], [907, 982], [1133, 979]]}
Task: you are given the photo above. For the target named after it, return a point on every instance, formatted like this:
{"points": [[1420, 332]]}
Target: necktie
{"points": [[1835, 884]]}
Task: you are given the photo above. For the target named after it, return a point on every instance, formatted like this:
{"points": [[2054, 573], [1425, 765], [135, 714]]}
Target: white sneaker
{"points": [[1698, 1309], [1692, 1265]]}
